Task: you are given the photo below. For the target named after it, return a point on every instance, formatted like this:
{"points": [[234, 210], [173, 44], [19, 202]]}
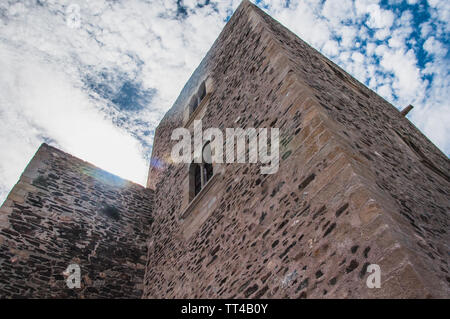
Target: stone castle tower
{"points": [[357, 185]]}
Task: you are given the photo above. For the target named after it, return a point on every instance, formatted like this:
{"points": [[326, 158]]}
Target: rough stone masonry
{"points": [[357, 185], [65, 211]]}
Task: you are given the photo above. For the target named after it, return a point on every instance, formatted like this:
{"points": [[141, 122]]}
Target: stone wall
{"points": [[65, 211], [357, 184], [408, 173]]}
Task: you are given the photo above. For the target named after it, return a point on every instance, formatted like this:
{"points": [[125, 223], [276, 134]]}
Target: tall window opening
{"points": [[201, 92], [200, 173], [197, 179], [198, 97]]}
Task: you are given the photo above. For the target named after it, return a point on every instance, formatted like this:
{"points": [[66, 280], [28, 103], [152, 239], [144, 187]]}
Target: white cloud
{"points": [[379, 18], [382, 34], [435, 47], [331, 48], [339, 10], [425, 29], [385, 91], [407, 75], [302, 17], [362, 6], [348, 35]]}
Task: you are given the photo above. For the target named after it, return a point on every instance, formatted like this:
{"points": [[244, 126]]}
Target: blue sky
{"points": [[94, 78]]}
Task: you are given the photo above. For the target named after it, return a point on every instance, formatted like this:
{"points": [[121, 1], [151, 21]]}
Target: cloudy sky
{"points": [[95, 77]]}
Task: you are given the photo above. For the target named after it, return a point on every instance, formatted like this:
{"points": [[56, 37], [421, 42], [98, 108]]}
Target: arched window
{"points": [[200, 173], [201, 92], [198, 97]]}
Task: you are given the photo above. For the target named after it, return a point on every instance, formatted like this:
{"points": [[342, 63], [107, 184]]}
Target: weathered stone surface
{"points": [[64, 211], [358, 184]]}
